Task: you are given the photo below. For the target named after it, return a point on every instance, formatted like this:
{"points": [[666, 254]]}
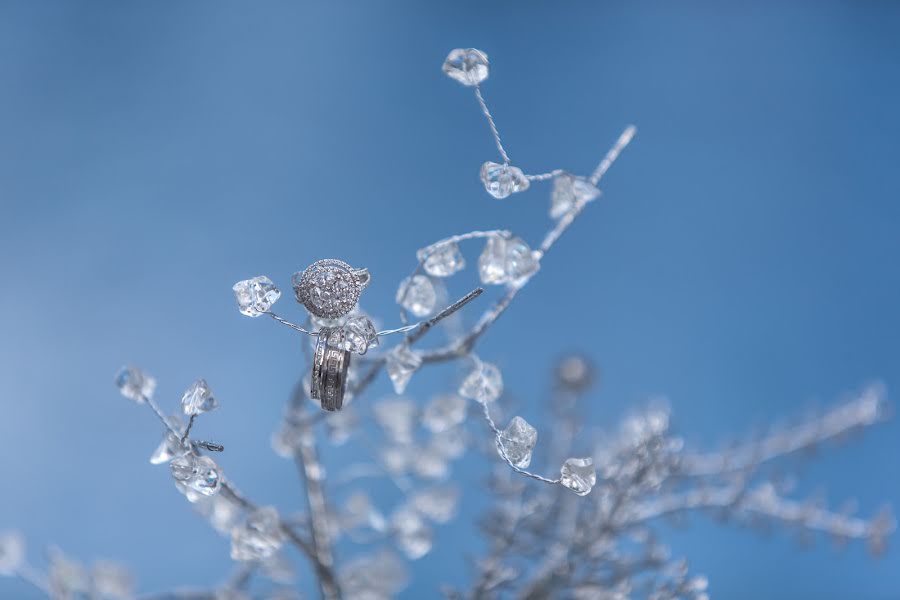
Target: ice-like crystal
{"points": [[518, 440], [430, 463], [578, 475], [67, 577], [402, 362], [397, 416], [507, 260], [341, 424], [449, 444], [443, 412], [197, 473], [259, 536], [111, 581], [442, 259], [279, 569], [396, 459], [437, 503], [484, 384], [12, 552], [360, 334], [221, 512], [135, 384], [256, 296], [413, 536], [170, 446], [286, 440], [379, 576], [467, 66], [417, 295], [360, 512], [501, 180], [198, 399], [570, 191]]}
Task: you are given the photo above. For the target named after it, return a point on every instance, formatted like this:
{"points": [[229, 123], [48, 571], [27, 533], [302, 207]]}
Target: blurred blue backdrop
{"points": [[742, 261]]}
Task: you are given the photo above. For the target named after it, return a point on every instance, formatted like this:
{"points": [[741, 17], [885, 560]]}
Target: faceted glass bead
{"points": [[259, 536], [397, 416], [135, 384], [360, 334], [484, 384], [517, 441], [197, 473], [402, 362], [507, 260], [442, 259], [502, 180], [444, 412], [570, 191], [413, 536], [198, 399], [256, 296], [170, 446], [12, 552], [578, 475], [467, 66], [417, 295]]}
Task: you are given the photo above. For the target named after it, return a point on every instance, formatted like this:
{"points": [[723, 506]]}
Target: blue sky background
{"points": [[742, 261]]}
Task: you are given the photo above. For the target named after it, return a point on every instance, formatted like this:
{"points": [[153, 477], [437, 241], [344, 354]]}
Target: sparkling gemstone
{"points": [[379, 576], [397, 416], [12, 552], [197, 473], [444, 412], [417, 295], [198, 399], [518, 440], [111, 581], [402, 362], [256, 296], [484, 384], [570, 191], [170, 446], [329, 288], [360, 334], [502, 180], [437, 503], [441, 259], [467, 65], [507, 260], [135, 384], [259, 536], [413, 536], [578, 475]]}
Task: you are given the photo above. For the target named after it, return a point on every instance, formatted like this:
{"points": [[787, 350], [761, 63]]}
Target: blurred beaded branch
{"points": [[581, 526]]}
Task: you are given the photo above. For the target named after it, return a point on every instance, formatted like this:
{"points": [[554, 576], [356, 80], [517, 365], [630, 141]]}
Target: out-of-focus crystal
{"points": [[484, 384], [443, 412], [449, 444], [259, 536], [12, 552], [467, 66], [397, 416], [256, 296], [360, 334], [578, 475], [197, 473], [134, 384], [570, 191], [413, 536], [402, 362], [111, 581], [507, 260], [279, 569], [417, 295], [442, 259], [198, 399], [341, 424], [517, 441], [221, 512], [360, 512], [170, 446], [501, 180], [379, 576], [437, 503], [575, 372], [396, 458], [430, 463], [67, 578]]}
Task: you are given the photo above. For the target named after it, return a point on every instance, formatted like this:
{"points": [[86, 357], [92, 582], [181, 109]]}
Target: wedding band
{"points": [[329, 372]]}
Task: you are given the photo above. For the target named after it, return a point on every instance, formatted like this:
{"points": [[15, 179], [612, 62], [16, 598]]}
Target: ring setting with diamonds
{"points": [[330, 288]]}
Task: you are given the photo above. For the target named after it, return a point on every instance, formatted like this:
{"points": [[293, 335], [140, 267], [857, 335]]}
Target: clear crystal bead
{"points": [[67, 577], [360, 334], [437, 503], [484, 384], [442, 259], [397, 416], [256, 296], [198, 399], [379, 576], [449, 444], [396, 459], [341, 424], [12, 552], [277, 568], [570, 191], [286, 440], [259, 536], [578, 475], [467, 66], [417, 295], [197, 473], [222, 513], [502, 180], [507, 260], [430, 463], [517, 441], [111, 581], [134, 384], [443, 412], [360, 512], [402, 362], [170, 446], [413, 536]]}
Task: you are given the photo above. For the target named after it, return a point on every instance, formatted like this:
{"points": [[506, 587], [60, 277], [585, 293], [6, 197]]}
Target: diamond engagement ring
{"points": [[330, 288], [331, 362]]}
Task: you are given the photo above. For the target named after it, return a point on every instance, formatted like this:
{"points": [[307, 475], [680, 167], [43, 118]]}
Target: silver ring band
{"points": [[329, 371]]}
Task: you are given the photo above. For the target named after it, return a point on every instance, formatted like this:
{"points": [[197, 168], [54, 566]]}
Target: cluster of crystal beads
{"points": [[259, 536], [198, 399], [134, 384], [501, 180], [329, 288], [507, 261], [402, 362], [256, 296], [578, 475], [517, 442], [442, 259], [199, 474], [417, 295], [467, 66], [484, 384], [570, 191]]}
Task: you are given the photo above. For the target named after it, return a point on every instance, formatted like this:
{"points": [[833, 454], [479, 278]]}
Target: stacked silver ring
{"points": [[329, 370]]}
